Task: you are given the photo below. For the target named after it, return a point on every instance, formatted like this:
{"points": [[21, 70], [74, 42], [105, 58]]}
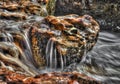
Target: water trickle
{"points": [[47, 51], [27, 52], [51, 55], [55, 52], [3, 37], [65, 62], [103, 60], [54, 61], [85, 52], [10, 37], [35, 1], [27, 41], [62, 62], [23, 46]]}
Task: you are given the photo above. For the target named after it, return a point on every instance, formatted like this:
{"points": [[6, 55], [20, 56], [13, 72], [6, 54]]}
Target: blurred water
{"points": [[103, 62]]}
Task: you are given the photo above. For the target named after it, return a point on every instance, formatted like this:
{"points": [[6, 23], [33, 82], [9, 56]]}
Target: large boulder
{"points": [[63, 40], [106, 12]]}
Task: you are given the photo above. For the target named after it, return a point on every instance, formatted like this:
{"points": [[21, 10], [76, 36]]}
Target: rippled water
{"points": [[103, 62]]}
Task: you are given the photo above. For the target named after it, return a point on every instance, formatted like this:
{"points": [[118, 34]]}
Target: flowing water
{"points": [[52, 57], [101, 63]]}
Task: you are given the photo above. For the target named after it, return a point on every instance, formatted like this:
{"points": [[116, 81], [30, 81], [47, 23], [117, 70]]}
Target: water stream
{"points": [[103, 62]]}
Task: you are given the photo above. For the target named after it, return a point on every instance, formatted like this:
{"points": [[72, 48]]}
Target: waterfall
{"points": [[27, 51], [19, 50], [62, 62], [47, 51], [51, 55], [9, 37], [85, 54], [27, 41], [35, 1], [24, 47], [55, 52], [65, 62], [55, 61]]}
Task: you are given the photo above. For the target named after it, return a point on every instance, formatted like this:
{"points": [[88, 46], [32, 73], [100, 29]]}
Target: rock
{"points": [[10, 77], [16, 9], [107, 13], [64, 39], [11, 16]]}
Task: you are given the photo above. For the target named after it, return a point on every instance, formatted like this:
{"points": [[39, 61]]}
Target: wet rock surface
{"points": [[30, 43], [65, 39], [10, 77], [21, 9]]}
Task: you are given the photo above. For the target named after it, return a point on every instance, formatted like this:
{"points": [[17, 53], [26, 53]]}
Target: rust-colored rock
{"points": [[55, 42], [10, 77], [69, 36], [19, 10], [11, 16]]}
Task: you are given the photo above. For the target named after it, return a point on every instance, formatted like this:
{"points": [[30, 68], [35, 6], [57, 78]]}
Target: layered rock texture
{"points": [[10, 77]]}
